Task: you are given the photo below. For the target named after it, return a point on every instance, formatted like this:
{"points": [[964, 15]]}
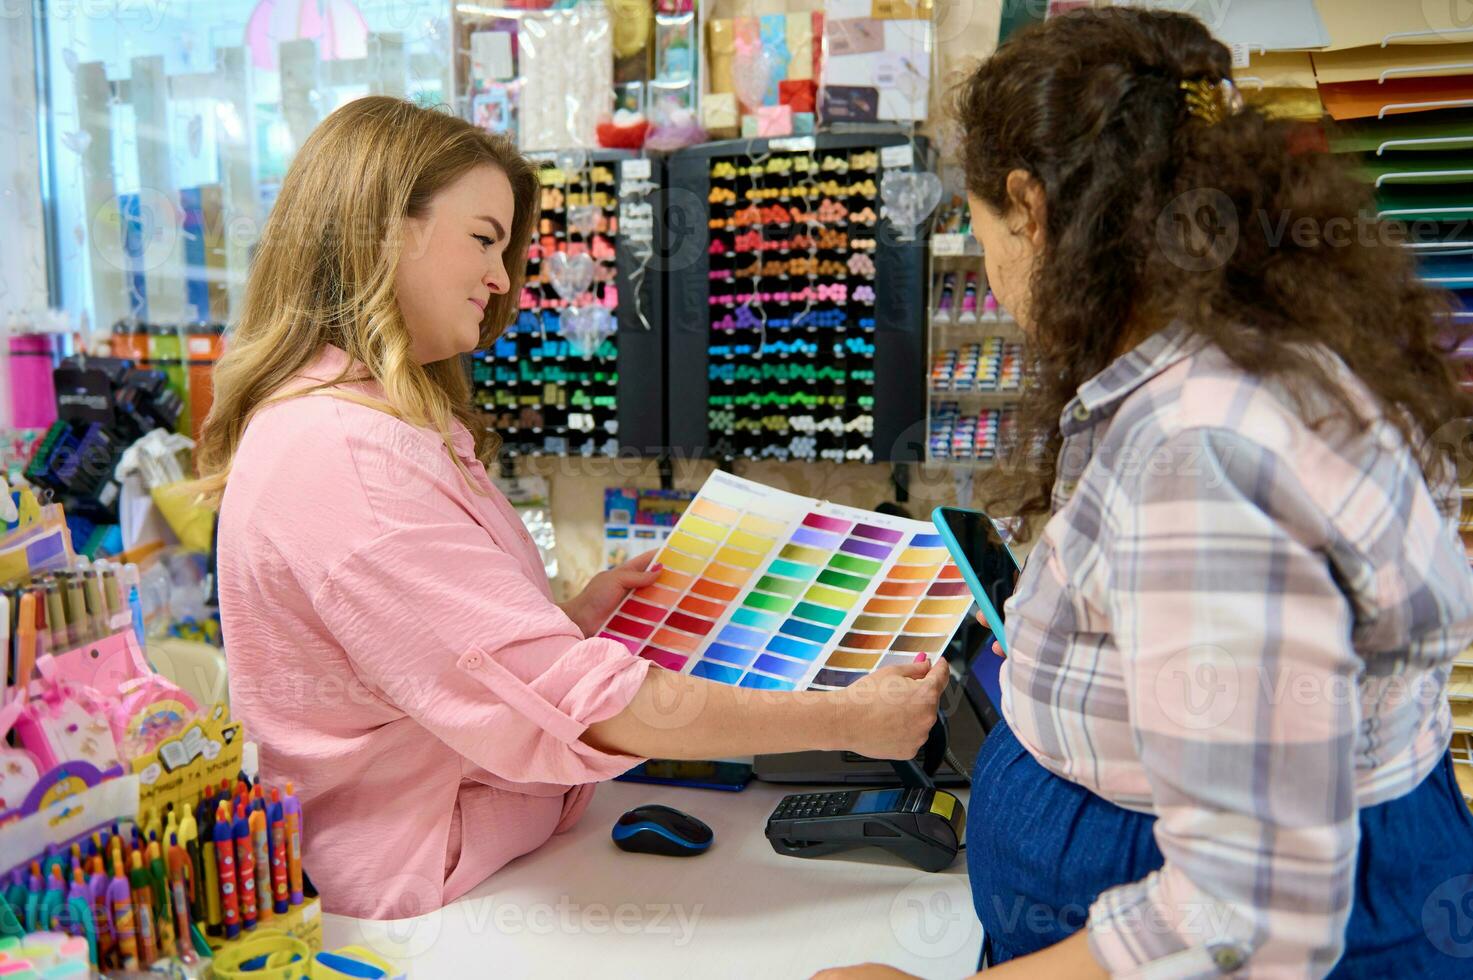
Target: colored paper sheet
{"points": [[1287, 103], [1420, 133], [1273, 25], [1277, 69], [1362, 100], [1418, 168], [771, 590], [1448, 271], [1361, 23], [1378, 64], [1437, 203]]}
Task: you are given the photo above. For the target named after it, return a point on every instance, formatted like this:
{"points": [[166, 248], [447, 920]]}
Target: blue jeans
{"points": [[1040, 849]]}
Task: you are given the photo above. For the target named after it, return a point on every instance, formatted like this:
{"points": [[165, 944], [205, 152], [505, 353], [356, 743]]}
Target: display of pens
{"points": [[155, 888], [64, 610]]}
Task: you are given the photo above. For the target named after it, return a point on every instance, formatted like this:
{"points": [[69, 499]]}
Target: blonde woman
{"points": [[392, 640]]}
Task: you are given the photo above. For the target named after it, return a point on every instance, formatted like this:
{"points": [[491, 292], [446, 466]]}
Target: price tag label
{"points": [[1242, 54], [635, 169], [795, 144], [948, 243], [897, 157]]}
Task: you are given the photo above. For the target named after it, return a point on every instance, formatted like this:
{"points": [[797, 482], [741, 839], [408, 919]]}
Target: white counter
{"points": [[580, 907]]}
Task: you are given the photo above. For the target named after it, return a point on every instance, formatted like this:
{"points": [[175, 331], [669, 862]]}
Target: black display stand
{"points": [[899, 305]]}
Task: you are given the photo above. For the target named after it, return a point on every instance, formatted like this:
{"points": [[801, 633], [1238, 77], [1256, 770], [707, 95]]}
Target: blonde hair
{"points": [[323, 273]]}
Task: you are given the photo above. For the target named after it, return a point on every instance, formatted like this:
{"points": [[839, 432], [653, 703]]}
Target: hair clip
{"points": [[836, 164], [861, 264], [717, 247], [836, 293], [862, 244], [865, 188], [723, 168], [601, 249], [745, 272], [721, 195], [718, 223], [864, 294], [1212, 102], [864, 216], [867, 160], [779, 165]]}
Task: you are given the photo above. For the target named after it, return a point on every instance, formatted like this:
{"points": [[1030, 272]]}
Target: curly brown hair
{"points": [[1142, 226]]}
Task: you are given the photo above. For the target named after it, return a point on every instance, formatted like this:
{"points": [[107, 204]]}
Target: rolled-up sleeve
{"points": [[1241, 679], [479, 655]]}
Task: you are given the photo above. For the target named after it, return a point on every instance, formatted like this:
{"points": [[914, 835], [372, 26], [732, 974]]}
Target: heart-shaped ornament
{"points": [[583, 218], [908, 197], [585, 328], [570, 275], [752, 72], [571, 161]]}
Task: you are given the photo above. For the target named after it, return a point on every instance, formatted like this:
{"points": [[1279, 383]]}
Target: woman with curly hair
{"points": [[1225, 745]]}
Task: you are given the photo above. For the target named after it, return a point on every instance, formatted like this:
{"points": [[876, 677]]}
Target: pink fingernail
{"points": [[920, 658], [657, 567]]}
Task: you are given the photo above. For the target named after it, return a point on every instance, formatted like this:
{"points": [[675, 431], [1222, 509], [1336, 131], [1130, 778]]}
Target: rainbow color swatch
{"points": [[771, 590]]}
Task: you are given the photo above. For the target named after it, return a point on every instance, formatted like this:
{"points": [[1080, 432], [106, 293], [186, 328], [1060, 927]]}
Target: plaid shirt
{"points": [[1245, 627]]}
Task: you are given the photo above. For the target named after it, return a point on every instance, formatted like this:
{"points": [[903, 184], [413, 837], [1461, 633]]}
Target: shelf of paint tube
{"points": [[992, 366], [795, 297], [961, 437], [551, 383], [961, 299]]}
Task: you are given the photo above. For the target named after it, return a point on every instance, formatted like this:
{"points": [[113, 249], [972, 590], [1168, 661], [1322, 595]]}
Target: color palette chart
{"points": [[771, 590]]}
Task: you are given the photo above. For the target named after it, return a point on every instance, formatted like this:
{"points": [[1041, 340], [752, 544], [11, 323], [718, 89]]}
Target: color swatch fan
{"points": [[771, 590]]}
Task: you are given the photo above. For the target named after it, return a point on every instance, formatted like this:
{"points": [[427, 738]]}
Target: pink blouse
{"points": [[395, 651]]}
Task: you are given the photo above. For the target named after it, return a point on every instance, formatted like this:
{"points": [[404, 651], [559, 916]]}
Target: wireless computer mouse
{"points": [[655, 829]]}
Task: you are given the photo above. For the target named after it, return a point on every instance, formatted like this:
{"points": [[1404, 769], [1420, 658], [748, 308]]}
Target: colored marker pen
{"points": [[280, 895], [158, 884], [245, 867], [209, 862], [225, 861], [179, 871], [79, 912], [97, 896], [292, 810], [189, 842], [120, 901], [53, 902], [262, 848], [34, 890], [143, 909], [76, 612]]}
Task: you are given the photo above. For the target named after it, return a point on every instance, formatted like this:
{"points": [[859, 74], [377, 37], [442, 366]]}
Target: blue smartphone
{"points": [[989, 568]]}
